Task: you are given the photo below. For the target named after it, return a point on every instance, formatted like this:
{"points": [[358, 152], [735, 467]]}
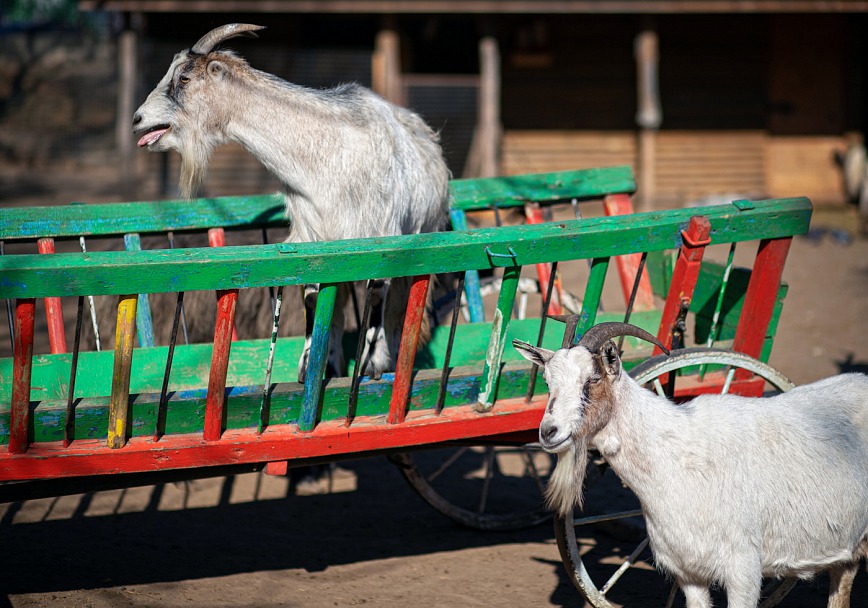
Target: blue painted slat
{"points": [[471, 278], [144, 324], [319, 354]]}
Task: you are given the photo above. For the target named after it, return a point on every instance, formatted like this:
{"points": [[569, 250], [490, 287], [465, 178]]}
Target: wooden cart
{"points": [[77, 417]]}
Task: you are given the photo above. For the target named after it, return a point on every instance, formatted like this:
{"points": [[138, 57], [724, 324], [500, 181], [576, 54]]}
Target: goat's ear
{"points": [[217, 69], [609, 359], [534, 354]]}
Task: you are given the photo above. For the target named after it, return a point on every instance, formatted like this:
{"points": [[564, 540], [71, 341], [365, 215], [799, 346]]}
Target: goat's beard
{"points": [[195, 156], [564, 490]]}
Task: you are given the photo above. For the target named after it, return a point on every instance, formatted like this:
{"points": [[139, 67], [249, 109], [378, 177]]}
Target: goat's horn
{"points": [[207, 42], [598, 335]]}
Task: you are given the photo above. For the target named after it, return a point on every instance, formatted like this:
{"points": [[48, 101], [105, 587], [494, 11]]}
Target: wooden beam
{"points": [[481, 6]]}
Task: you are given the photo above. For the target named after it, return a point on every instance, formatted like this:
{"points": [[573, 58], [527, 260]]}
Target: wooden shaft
{"points": [[53, 309], [216, 397], [407, 351], [620, 204], [318, 356], [684, 277], [471, 278], [593, 296], [534, 215], [494, 353], [19, 423], [144, 324], [125, 335], [760, 298], [217, 238]]}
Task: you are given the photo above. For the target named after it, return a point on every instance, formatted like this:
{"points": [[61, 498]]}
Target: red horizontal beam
{"points": [[282, 442]]}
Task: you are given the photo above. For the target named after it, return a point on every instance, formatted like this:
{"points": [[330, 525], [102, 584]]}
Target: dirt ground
{"points": [[250, 541]]}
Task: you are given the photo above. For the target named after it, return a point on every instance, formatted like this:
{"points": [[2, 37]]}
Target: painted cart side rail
{"points": [[130, 272], [267, 210], [156, 271]]}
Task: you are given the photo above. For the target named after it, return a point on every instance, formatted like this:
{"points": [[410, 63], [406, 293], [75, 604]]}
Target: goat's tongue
{"points": [[151, 137]]}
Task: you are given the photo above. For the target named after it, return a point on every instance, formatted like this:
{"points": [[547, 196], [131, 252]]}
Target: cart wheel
{"points": [[482, 487], [597, 562]]}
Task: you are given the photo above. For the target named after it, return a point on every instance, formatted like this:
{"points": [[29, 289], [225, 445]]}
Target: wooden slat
{"points": [[19, 416], [144, 323], [318, 357], [53, 309], [125, 333], [216, 399], [361, 259], [407, 350], [497, 341]]}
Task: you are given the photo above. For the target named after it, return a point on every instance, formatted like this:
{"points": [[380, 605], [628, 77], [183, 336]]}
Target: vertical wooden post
{"points": [[534, 215], [628, 265], [216, 397], [127, 51], [684, 276], [471, 279], [144, 324], [53, 309], [217, 238], [386, 66], [319, 354], [494, 353], [593, 295], [407, 351], [649, 115], [19, 416], [125, 335], [489, 129], [760, 298]]}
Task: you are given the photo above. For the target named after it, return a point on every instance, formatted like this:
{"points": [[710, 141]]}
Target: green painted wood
{"points": [[142, 217], [25, 276], [318, 355], [593, 296], [497, 339], [511, 191]]}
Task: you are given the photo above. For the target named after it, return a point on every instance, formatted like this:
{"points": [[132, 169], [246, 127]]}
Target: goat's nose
{"points": [[547, 432], [137, 118]]}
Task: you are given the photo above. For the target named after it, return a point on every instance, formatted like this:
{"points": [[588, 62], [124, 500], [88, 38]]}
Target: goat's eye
{"points": [[184, 79]]}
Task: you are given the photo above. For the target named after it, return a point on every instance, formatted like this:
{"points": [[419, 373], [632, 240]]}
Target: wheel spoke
{"points": [[448, 463], [595, 519], [627, 563], [489, 475]]}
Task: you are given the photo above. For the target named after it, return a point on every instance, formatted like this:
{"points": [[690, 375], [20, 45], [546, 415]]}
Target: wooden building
{"points": [[705, 98]]}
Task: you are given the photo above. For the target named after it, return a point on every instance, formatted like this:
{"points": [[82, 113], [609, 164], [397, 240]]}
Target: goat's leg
{"points": [[697, 595], [309, 295], [841, 584], [336, 363], [375, 356]]}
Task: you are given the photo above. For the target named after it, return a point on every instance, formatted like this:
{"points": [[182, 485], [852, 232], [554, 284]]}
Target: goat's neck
{"points": [[634, 439]]}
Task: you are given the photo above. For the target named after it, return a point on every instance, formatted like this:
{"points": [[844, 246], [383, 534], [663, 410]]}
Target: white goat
{"points": [[732, 488], [353, 165]]}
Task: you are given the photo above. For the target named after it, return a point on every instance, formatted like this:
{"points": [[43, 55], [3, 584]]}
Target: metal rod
{"points": [[444, 376], [360, 348], [265, 409], [90, 305], [162, 407], [531, 384], [171, 237], [633, 293], [69, 426], [593, 519]]}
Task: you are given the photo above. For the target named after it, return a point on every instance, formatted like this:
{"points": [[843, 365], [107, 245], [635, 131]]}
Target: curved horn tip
{"points": [[599, 334], [209, 41]]}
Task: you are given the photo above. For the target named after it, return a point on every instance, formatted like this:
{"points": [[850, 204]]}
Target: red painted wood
{"points": [[760, 298], [329, 439], [19, 416], [216, 397], [217, 238], [53, 309], [533, 213], [684, 276], [620, 204], [407, 351]]}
